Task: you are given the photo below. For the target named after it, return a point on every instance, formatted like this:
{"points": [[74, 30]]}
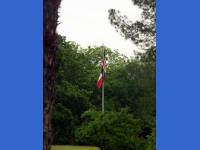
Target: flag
{"points": [[103, 71], [100, 80]]}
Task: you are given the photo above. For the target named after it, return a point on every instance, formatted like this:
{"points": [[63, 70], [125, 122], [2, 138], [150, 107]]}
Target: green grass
{"points": [[65, 147]]}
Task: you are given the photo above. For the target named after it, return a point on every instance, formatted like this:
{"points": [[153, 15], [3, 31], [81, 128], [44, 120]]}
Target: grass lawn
{"points": [[65, 147]]}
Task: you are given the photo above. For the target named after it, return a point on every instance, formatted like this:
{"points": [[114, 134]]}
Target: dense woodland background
{"points": [[129, 121]]}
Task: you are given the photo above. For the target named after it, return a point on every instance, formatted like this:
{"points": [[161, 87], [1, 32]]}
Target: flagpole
{"points": [[103, 98], [103, 88]]}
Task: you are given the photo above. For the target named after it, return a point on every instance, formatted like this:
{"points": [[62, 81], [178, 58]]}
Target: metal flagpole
{"points": [[103, 88], [103, 98]]}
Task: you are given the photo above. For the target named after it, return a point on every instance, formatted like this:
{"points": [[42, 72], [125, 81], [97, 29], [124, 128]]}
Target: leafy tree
{"points": [[72, 72], [128, 83], [142, 88], [77, 100], [152, 140], [114, 61], [142, 33], [140, 75], [111, 131], [62, 124]]}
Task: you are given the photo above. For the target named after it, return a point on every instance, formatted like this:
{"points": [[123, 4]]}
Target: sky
{"points": [[86, 22]]}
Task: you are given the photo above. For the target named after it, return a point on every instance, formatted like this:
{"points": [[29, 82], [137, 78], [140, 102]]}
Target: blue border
{"points": [[178, 75], [21, 77]]}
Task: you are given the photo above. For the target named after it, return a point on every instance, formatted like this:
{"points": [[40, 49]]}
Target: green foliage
{"points": [[111, 131], [142, 33], [152, 140], [62, 124], [142, 87], [72, 71], [128, 83], [72, 97]]}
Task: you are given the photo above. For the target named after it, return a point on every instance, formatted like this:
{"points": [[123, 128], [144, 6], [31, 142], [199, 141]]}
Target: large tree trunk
{"points": [[50, 18]]}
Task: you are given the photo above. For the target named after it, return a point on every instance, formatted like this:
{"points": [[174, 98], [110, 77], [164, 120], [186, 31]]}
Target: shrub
{"points": [[110, 131]]}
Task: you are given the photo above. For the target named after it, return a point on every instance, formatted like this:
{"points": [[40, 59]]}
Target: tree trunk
{"points": [[50, 44]]}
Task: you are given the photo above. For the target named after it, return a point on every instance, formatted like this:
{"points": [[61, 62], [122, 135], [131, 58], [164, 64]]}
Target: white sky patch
{"points": [[86, 22]]}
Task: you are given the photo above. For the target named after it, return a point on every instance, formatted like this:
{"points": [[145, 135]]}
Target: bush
{"points": [[111, 131]]}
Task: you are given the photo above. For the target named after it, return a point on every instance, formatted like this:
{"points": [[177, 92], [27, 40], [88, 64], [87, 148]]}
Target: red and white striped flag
{"points": [[103, 71]]}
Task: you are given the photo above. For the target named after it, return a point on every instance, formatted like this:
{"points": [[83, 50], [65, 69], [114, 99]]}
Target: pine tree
{"points": [[142, 33]]}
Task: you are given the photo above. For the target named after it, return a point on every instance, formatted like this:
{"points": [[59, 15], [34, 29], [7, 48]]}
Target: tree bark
{"points": [[50, 44]]}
